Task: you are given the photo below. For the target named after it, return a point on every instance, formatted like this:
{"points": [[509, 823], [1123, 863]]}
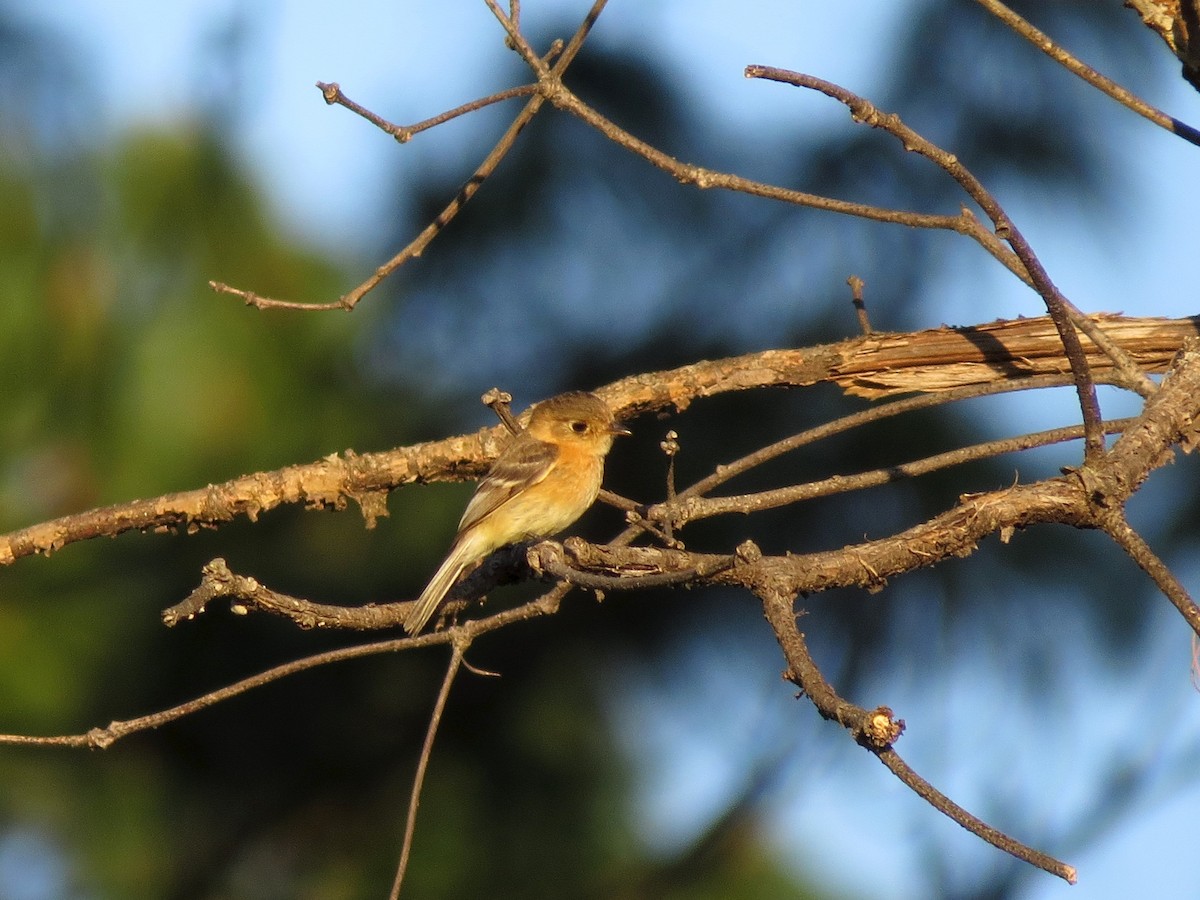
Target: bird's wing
{"points": [[523, 464]]}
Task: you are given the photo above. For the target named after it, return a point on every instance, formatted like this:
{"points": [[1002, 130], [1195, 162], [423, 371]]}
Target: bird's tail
{"points": [[462, 554]]}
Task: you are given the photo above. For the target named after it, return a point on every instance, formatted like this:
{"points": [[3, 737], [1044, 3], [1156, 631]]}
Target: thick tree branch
{"points": [[878, 365]]}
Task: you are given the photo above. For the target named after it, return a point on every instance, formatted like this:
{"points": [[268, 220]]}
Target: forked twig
{"points": [[418, 244], [333, 94], [1062, 311], [1056, 304], [695, 507], [842, 424]]}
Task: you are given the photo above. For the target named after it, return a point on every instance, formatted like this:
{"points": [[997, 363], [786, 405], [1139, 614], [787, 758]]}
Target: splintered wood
{"points": [[883, 365]]}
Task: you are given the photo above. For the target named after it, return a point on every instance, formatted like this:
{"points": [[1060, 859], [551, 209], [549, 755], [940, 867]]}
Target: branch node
{"points": [[880, 729], [498, 401], [748, 552], [860, 307]]}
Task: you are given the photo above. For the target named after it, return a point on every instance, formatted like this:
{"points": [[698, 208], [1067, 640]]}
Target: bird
{"points": [[543, 481]]}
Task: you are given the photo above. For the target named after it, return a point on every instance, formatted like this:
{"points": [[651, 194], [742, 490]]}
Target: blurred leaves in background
{"points": [[122, 375]]}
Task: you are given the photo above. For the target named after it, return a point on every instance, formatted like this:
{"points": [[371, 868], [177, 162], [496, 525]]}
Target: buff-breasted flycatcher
{"points": [[542, 482]]}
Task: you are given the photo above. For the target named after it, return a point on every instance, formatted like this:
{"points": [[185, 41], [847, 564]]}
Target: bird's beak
{"points": [[619, 429]]}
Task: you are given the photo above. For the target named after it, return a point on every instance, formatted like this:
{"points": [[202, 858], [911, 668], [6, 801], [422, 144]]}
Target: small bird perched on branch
{"points": [[543, 481]]}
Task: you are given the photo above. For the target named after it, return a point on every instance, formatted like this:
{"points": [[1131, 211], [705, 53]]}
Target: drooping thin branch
{"points": [[973, 824], [1117, 527], [459, 648], [878, 729], [101, 738], [1072, 64]]}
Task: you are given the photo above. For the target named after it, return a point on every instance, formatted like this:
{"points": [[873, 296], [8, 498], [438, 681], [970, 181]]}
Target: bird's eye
{"points": [[579, 426]]}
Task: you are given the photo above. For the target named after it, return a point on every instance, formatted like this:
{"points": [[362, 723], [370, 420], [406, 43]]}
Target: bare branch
{"points": [[976, 826], [1072, 64], [695, 508], [727, 471], [936, 361], [498, 401], [414, 801], [1060, 308], [1117, 527], [877, 730], [550, 557], [102, 738], [860, 308], [1056, 304], [332, 92], [218, 582]]}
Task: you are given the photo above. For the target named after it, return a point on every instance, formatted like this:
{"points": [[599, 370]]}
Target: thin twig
{"points": [[414, 800], [860, 308], [485, 169], [842, 424], [1072, 64], [695, 508], [332, 92], [973, 824], [877, 730], [103, 737], [1056, 304], [498, 402], [417, 245], [1117, 527], [670, 446]]}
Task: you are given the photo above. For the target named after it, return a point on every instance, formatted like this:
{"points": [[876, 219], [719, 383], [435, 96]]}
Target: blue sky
{"points": [[408, 60]]}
